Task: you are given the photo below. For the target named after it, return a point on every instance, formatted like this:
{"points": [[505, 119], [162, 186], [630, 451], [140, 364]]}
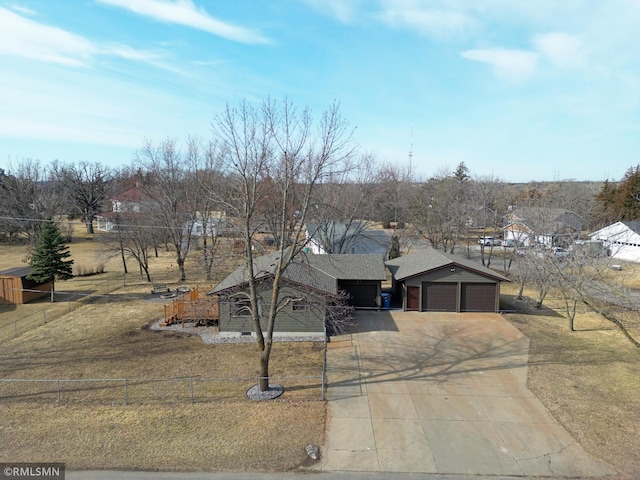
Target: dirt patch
{"points": [[588, 379]]}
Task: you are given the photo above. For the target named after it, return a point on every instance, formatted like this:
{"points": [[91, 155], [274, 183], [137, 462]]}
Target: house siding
{"points": [[621, 242], [288, 320], [446, 275], [460, 277]]}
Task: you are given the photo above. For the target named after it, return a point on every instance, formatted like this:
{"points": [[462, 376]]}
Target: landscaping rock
{"points": [[313, 452]]}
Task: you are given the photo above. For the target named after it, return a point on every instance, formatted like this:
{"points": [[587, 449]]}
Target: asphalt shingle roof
{"points": [[431, 259], [320, 272], [16, 272], [633, 225]]}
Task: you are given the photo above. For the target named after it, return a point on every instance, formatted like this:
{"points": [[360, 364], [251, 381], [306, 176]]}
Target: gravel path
{"points": [[209, 335]]}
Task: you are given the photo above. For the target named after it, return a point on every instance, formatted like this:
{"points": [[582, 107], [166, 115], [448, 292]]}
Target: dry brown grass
{"points": [[160, 429], [201, 437], [588, 379], [167, 432]]}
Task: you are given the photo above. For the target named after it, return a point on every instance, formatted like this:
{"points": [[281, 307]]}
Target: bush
{"points": [[85, 271]]}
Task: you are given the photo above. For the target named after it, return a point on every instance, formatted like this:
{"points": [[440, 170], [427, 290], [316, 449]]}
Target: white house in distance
{"points": [[123, 207], [542, 225], [621, 239]]}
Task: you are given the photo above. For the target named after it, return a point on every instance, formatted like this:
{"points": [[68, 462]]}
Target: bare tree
{"points": [[29, 195], [275, 155], [441, 210], [342, 208], [172, 192], [87, 187]]}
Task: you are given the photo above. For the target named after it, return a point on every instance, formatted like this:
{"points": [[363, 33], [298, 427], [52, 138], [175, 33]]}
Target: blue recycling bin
{"points": [[386, 300]]}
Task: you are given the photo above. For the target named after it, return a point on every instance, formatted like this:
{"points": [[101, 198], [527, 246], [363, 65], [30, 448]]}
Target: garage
{"points": [[439, 297], [363, 294], [478, 297], [434, 281]]}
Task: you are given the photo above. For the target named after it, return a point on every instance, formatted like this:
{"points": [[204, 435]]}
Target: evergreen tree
{"points": [[394, 251], [49, 260]]}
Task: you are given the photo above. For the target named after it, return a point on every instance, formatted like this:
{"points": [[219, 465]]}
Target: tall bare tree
{"points": [[87, 187], [173, 196], [29, 194], [440, 209], [275, 155]]}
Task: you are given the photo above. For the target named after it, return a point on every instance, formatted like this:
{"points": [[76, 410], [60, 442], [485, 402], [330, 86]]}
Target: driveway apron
{"points": [[441, 393]]}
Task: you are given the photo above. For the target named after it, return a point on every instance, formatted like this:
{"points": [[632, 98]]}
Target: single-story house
{"points": [[342, 238], [16, 288], [432, 280], [540, 225], [621, 240], [310, 284]]}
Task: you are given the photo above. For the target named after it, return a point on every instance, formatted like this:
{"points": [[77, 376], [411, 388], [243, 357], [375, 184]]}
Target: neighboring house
{"points": [[621, 240], [482, 217], [543, 226], [341, 238], [16, 288], [311, 282], [431, 280], [124, 206], [214, 226]]}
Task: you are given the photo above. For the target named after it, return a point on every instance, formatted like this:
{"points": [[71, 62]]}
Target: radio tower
{"points": [[411, 152]]}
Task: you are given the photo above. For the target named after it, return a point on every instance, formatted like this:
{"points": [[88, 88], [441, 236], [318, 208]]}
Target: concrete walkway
{"points": [[441, 393]]}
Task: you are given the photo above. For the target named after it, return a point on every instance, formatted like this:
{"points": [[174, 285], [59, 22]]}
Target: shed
{"points": [[16, 288], [431, 280]]}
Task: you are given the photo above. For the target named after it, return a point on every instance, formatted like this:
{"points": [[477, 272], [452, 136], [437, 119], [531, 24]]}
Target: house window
{"points": [[300, 305], [240, 307]]}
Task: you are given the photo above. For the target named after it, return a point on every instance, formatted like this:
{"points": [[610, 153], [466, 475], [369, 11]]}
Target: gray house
{"points": [[310, 283], [431, 280], [541, 225], [354, 237]]}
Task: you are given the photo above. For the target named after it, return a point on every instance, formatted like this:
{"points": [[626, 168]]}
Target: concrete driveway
{"points": [[441, 393]]}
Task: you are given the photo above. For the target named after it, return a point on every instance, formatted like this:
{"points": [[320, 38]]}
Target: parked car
{"points": [[560, 253], [489, 241]]}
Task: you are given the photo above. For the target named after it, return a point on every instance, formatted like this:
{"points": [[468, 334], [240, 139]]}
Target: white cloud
{"points": [[344, 11], [21, 9], [184, 12], [442, 23], [26, 38], [561, 49], [513, 64]]}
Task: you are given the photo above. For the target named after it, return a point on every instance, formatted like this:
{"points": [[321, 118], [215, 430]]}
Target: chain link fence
{"points": [[128, 391], [86, 290]]}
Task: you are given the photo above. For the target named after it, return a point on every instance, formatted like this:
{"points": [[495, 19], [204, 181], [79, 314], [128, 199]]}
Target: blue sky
{"points": [[517, 89]]}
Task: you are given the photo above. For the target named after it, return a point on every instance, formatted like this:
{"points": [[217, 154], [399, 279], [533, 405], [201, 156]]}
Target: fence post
{"points": [[15, 328], [44, 313], [58, 381], [126, 392], [191, 389], [324, 363]]}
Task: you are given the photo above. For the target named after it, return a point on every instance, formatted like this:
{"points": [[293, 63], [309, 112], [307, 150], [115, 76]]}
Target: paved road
{"points": [[116, 475]]}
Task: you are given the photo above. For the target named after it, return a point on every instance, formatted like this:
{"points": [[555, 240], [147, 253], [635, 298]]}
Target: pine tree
{"points": [[394, 251], [49, 260]]}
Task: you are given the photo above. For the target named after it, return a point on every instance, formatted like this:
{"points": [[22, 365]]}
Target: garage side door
{"points": [[362, 295], [439, 297], [478, 297]]}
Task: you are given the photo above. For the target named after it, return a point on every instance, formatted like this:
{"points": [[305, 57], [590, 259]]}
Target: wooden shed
{"points": [[16, 288]]}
